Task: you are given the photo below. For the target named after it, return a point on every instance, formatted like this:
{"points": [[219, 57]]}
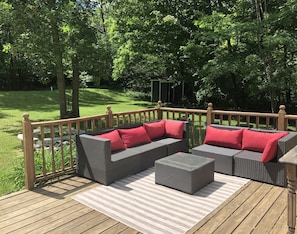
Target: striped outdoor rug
{"points": [[139, 203]]}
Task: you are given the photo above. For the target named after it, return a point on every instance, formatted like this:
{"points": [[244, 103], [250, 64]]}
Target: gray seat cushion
{"points": [[248, 164], [174, 145], [149, 153], [223, 156]]}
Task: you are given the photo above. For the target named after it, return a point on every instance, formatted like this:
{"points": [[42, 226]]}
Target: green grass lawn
{"points": [[41, 106]]}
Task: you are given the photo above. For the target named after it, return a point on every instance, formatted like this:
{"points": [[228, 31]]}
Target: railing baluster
{"points": [[86, 126], [52, 132], [61, 146], [70, 145], [43, 152], [229, 119], [93, 124], [257, 121]]}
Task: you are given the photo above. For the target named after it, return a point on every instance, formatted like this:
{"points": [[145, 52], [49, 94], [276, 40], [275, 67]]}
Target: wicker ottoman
{"points": [[184, 172]]}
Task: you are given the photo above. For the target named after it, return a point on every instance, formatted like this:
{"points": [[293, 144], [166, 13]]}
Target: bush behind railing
{"points": [[44, 163]]}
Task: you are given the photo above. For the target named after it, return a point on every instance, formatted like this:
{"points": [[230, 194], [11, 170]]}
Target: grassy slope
{"points": [[43, 105]]}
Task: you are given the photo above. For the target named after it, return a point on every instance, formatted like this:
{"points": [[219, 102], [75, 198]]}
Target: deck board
{"points": [[256, 208], [251, 221], [213, 221], [277, 211], [237, 217]]}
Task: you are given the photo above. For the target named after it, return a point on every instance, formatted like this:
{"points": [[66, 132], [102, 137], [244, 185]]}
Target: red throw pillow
{"points": [[270, 150], [134, 136], [174, 129], [223, 137], [155, 129], [115, 140], [256, 141]]}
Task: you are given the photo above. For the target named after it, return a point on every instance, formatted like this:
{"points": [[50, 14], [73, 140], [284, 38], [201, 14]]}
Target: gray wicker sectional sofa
{"points": [[112, 154], [247, 158]]}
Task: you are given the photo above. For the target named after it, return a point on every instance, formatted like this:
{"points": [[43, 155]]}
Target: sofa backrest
{"points": [[226, 127], [284, 144]]}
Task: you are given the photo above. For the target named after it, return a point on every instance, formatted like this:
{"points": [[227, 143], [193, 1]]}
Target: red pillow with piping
{"points": [[134, 136], [155, 130], [270, 150], [115, 140], [174, 129], [223, 137], [256, 141]]}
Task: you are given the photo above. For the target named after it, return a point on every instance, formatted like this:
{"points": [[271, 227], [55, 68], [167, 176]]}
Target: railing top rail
{"points": [[66, 121], [291, 116], [81, 119], [243, 113], [137, 111], [222, 112], [184, 110]]}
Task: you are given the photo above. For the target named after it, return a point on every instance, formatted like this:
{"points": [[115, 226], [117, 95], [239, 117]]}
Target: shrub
{"points": [[50, 158]]}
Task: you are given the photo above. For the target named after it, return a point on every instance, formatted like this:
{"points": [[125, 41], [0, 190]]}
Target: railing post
{"points": [[281, 125], [109, 119], [160, 112], [28, 152], [289, 159], [291, 177], [209, 115]]}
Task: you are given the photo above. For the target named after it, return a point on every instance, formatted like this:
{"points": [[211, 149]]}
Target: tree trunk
{"points": [[60, 81], [288, 80], [269, 75], [58, 57], [75, 86], [12, 81], [103, 18]]}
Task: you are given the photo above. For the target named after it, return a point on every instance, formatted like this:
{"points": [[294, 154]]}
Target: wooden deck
{"points": [[256, 208]]}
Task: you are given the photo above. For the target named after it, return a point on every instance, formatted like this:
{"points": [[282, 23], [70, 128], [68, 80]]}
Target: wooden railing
{"points": [[49, 146]]}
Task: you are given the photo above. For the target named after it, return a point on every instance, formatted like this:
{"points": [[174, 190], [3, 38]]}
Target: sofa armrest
{"points": [[93, 152], [286, 143]]}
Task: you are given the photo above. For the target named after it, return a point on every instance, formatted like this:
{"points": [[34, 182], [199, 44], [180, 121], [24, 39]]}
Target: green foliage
{"points": [[76, 24], [18, 175], [154, 31], [248, 55]]}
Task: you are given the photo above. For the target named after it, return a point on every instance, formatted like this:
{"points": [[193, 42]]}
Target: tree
{"points": [[245, 43], [148, 37], [238, 53], [16, 72], [58, 35]]}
